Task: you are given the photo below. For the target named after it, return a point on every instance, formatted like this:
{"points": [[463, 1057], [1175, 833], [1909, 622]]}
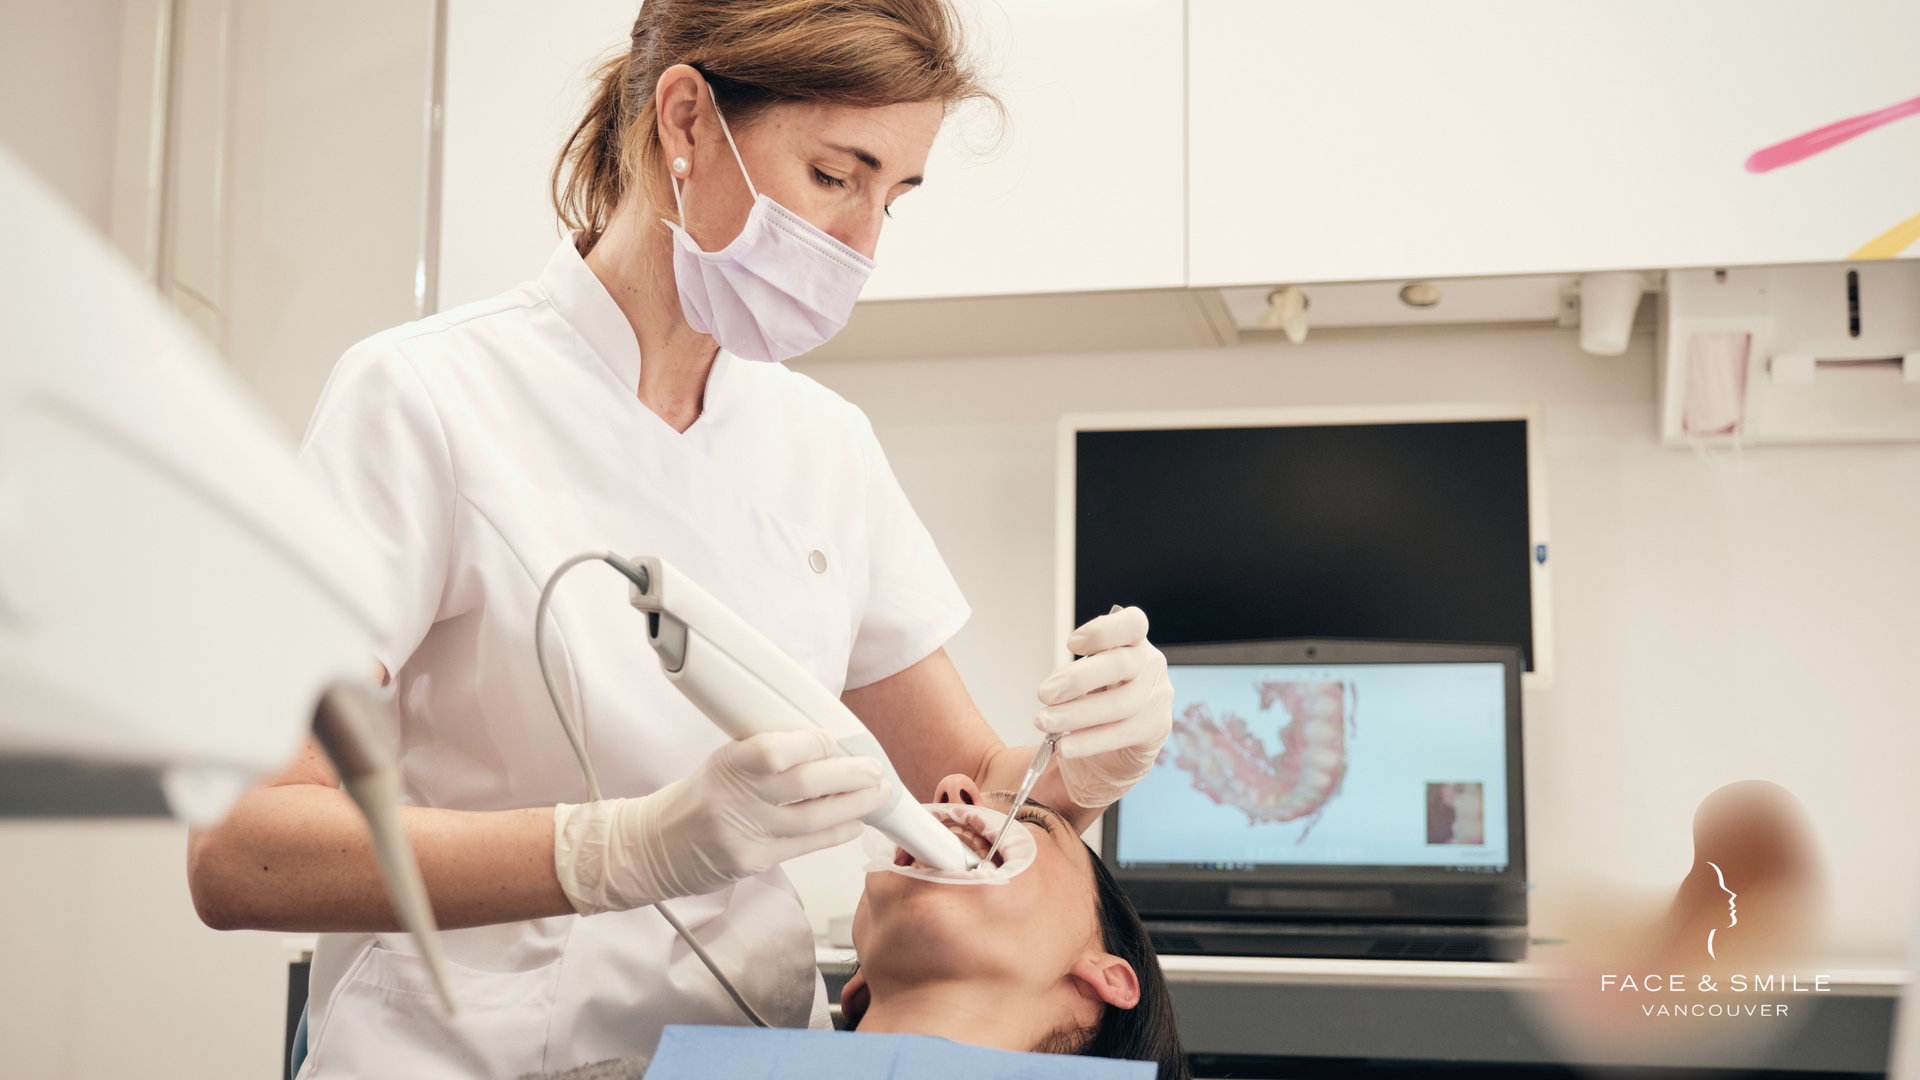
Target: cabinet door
{"points": [[1084, 190], [1382, 139], [1081, 191]]}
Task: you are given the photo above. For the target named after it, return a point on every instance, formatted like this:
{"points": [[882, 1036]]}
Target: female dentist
{"points": [[726, 189]]}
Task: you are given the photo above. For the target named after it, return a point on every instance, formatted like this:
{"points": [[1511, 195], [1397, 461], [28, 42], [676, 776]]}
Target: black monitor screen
{"points": [[1398, 531]]}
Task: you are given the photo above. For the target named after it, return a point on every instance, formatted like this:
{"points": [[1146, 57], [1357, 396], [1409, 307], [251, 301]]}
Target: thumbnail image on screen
{"points": [[1342, 764]]}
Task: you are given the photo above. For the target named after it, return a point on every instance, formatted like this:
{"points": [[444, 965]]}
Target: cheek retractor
{"points": [[1017, 851]]}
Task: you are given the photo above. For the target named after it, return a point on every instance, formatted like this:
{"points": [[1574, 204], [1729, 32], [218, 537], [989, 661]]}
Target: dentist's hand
{"points": [[750, 806], [1116, 701]]}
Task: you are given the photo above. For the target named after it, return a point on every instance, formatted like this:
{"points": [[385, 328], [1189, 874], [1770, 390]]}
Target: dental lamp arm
{"points": [[349, 727]]}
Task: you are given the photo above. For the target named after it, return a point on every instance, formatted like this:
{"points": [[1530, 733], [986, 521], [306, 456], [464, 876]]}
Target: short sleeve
{"points": [[913, 604], [376, 445]]}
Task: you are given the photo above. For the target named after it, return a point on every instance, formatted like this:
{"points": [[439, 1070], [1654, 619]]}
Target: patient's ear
{"points": [[1108, 978], [854, 999]]}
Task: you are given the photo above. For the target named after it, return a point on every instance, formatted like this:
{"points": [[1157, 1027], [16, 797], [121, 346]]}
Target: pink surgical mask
{"points": [[780, 288]]}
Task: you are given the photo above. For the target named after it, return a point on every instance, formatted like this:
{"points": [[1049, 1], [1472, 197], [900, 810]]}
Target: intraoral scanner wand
{"points": [[746, 685]]}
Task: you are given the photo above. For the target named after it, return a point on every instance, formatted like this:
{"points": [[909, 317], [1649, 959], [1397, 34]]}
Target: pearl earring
{"points": [[679, 164]]}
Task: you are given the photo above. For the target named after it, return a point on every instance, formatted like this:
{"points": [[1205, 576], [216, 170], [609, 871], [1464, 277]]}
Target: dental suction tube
{"points": [[746, 685]]}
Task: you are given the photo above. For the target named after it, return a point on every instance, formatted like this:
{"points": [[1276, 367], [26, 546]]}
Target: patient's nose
{"points": [[958, 788]]}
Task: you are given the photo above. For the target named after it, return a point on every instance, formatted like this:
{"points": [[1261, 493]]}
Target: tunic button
{"points": [[818, 562]]}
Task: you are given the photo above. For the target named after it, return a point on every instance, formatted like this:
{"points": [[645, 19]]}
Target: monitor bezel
{"points": [[1540, 568], [1432, 891]]}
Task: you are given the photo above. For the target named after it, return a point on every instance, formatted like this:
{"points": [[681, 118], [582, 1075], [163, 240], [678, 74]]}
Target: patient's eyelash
{"points": [[1033, 814]]}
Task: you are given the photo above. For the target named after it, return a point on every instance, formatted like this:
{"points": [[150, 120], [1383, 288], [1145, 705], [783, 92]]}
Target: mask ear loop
{"points": [[678, 205]]}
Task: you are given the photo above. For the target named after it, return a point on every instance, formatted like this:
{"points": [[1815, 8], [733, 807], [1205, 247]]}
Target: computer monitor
{"points": [[1394, 523], [1325, 781]]}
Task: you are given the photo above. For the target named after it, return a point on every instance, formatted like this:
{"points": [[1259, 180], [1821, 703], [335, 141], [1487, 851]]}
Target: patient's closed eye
{"points": [[1036, 816]]}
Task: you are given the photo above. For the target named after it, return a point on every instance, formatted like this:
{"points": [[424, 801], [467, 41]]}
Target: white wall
{"points": [[519, 77], [108, 972], [59, 87], [328, 161], [1742, 617]]}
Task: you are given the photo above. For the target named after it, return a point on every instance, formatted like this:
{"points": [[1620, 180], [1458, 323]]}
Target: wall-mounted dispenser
{"points": [[1607, 305], [1791, 354]]}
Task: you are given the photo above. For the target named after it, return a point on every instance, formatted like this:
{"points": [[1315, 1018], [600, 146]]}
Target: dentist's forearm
{"points": [[294, 857]]}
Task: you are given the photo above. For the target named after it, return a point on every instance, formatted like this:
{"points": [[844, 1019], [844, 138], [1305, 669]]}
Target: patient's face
{"points": [[1027, 931]]}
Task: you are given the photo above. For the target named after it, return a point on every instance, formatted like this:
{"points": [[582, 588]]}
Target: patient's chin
{"points": [[907, 938]]}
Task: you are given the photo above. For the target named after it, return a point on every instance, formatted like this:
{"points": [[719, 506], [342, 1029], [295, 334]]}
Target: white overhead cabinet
{"points": [[1375, 139], [1084, 190]]}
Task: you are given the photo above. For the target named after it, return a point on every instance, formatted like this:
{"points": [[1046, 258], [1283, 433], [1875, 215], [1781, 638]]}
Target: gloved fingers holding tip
{"points": [[1147, 720], [816, 779], [772, 752], [1110, 631], [827, 813], [1113, 667], [1115, 703], [795, 846]]}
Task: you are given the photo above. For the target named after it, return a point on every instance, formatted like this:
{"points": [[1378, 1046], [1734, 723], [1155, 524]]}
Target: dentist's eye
{"points": [[828, 179]]}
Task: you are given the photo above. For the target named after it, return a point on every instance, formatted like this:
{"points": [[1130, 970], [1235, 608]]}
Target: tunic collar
{"points": [[586, 305]]}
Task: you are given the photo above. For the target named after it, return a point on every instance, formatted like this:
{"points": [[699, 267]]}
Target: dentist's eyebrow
{"points": [[871, 162]]}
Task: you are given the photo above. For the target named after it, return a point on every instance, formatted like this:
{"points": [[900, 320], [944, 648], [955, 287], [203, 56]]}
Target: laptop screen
{"points": [[1377, 765]]}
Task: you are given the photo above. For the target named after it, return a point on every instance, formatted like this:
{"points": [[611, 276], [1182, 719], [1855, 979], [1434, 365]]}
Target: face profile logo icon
{"points": [[1732, 913]]}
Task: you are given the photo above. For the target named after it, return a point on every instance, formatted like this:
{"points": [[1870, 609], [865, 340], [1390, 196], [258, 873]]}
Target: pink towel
{"points": [[1716, 383]]}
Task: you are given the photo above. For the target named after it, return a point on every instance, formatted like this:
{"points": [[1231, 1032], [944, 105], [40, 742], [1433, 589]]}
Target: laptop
{"points": [[1327, 798]]}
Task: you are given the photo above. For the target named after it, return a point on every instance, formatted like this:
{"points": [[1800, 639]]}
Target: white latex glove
{"points": [[1116, 701], [750, 806]]}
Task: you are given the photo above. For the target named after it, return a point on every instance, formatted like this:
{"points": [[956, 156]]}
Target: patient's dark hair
{"points": [[1147, 1031]]}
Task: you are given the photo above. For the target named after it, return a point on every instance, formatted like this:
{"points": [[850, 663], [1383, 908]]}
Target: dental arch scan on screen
{"points": [[1333, 764]]}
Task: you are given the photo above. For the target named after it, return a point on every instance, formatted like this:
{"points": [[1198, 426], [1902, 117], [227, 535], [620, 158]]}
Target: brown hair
{"points": [[754, 54]]}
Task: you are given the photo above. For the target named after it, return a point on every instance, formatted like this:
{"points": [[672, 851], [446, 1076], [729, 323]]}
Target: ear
{"points": [[854, 999], [1108, 978], [676, 101]]}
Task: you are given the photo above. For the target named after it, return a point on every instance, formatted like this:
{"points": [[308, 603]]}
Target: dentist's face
{"points": [[838, 166], [1029, 932]]}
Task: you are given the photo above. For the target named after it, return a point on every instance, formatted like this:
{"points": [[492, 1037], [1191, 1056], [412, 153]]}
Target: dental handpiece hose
{"points": [[636, 575]]}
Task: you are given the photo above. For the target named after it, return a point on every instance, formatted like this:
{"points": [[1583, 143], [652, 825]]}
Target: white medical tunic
{"points": [[480, 448]]}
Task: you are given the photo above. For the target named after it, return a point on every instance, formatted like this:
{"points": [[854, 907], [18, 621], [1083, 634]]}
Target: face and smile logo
{"points": [[1732, 912]]}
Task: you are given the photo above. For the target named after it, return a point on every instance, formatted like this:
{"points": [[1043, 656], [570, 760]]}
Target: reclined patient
{"points": [[1053, 961]]}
